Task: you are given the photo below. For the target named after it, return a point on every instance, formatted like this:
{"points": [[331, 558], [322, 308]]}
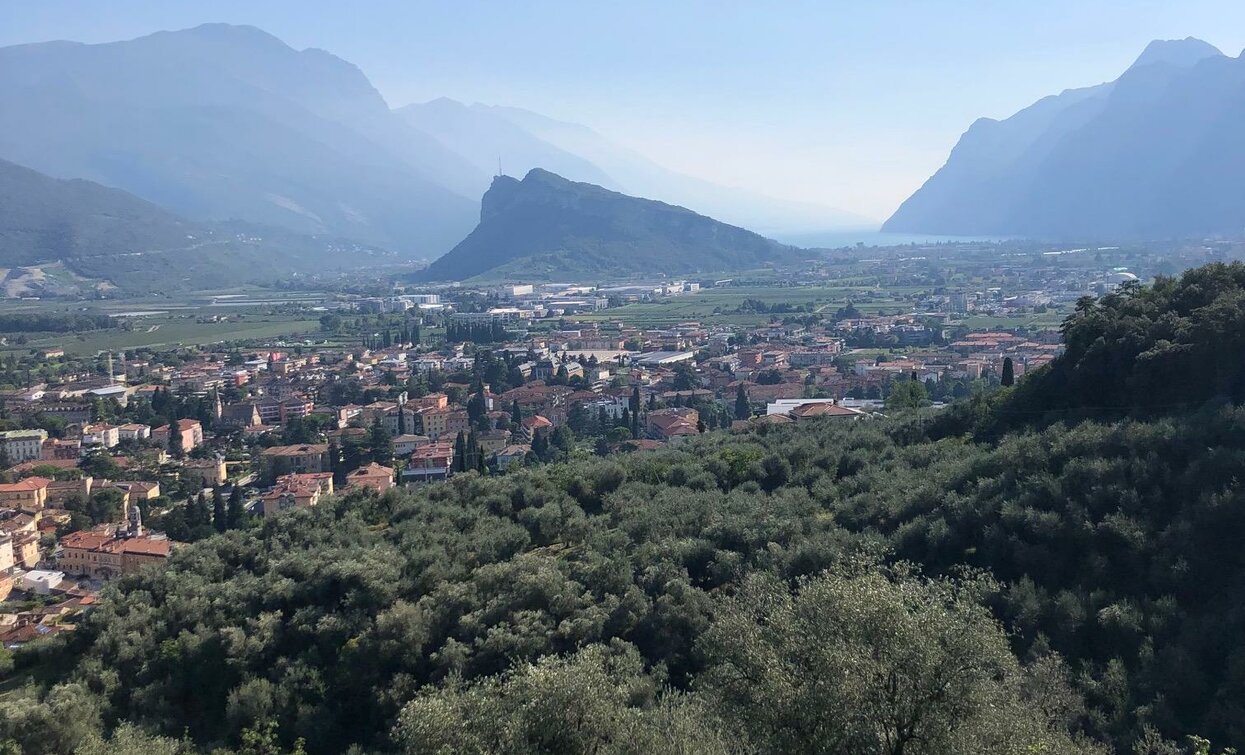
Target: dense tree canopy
{"points": [[953, 582], [1168, 346], [1115, 546]]}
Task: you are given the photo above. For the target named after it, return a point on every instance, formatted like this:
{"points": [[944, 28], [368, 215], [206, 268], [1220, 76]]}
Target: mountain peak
{"points": [[546, 225], [222, 32], [1179, 52], [540, 175]]}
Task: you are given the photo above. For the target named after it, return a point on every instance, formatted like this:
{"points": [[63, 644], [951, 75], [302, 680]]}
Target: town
{"points": [[113, 460]]}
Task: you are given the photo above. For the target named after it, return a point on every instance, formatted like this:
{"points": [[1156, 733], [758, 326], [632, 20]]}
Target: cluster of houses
{"points": [[276, 424]]}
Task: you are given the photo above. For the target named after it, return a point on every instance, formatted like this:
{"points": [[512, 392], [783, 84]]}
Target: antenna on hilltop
{"points": [[499, 166]]}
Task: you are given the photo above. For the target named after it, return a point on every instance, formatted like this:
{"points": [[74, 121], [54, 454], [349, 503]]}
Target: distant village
{"points": [[108, 472]]}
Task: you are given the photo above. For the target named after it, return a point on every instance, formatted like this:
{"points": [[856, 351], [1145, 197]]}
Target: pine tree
{"points": [[1009, 373], [218, 510]]}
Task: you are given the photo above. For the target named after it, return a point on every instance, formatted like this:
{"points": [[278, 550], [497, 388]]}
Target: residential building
{"points": [[665, 424], [189, 433], [133, 432], [206, 473], [430, 463], [22, 445], [403, 445], [109, 551], [372, 477], [298, 490], [100, 435], [298, 459], [30, 494], [512, 454]]}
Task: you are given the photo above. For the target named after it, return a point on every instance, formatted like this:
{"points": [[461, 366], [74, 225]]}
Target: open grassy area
{"points": [[1046, 321], [171, 330], [247, 313], [719, 306]]}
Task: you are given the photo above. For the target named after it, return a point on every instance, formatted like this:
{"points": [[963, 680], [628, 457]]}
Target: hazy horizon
{"points": [[852, 108]]}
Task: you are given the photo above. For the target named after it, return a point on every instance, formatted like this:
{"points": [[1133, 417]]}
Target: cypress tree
{"points": [[743, 408], [1009, 373], [218, 510], [460, 453], [235, 514]]}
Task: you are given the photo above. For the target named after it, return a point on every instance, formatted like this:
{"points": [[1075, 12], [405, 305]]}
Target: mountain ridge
{"points": [[548, 223], [107, 234], [1123, 159], [222, 122]]}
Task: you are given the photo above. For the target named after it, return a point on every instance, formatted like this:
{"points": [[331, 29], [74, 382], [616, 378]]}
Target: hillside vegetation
{"points": [[886, 586]]}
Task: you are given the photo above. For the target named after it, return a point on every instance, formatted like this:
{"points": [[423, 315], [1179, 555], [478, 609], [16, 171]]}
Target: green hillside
{"points": [[975, 581]]}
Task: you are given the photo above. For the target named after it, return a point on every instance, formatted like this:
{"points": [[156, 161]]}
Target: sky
{"points": [[848, 103]]}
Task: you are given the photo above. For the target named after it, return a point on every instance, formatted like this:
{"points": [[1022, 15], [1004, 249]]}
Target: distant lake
{"points": [[870, 237]]}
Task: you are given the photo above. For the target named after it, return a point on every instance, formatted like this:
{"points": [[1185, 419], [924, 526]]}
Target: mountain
{"points": [[44, 219], [108, 234], [226, 122], [1155, 153], [623, 169], [546, 226]]}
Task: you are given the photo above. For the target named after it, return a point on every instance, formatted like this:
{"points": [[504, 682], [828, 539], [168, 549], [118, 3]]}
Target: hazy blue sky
{"points": [[852, 103]]}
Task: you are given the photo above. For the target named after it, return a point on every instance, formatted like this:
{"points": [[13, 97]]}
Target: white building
{"points": [[662, 358], [41, 582], [101, 435], [22, 445]]}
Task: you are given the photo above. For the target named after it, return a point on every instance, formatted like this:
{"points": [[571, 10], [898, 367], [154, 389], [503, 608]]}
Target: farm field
{"points": [[720, 306], [157, 331], [203, 317]]}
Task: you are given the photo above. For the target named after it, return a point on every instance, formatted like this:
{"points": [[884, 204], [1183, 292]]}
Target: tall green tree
{"points": [[743, 408], [235, 513], [219, 515]]}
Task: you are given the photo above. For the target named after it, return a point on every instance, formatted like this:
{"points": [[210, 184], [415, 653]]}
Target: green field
{"points": [[1046, 321], [251, 314], [164, 331], [717, 306]]}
